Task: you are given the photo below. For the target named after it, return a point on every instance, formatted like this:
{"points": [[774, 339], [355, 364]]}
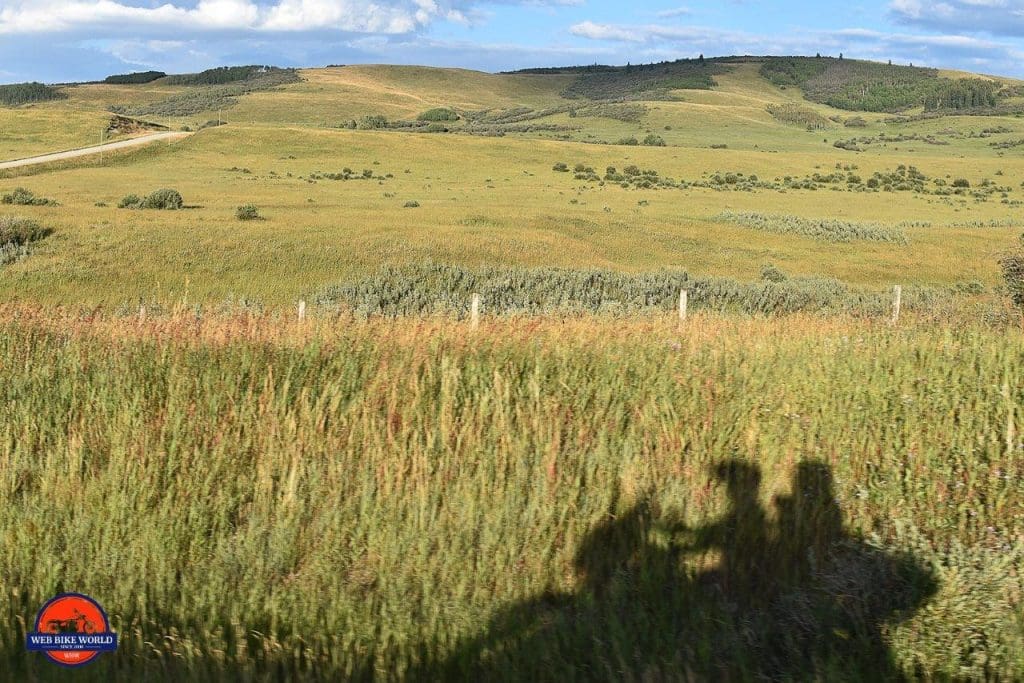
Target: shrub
{"points": [[561, 167], [1012, 265], [719, 146], [653, 140], [23, 197], [772, 274], [18, 231], [855, 122], [412, 204], [164, 199], [438, 114], [374, 122], [437, 128], [961, 182], [130, 201], [628, 141], [824, 229], [247, 212]]}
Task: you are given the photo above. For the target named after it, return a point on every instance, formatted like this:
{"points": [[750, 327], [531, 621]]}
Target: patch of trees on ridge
{"points": [[637, 81], [858, 85], [224, 74], [137, 78], [27, 93]]}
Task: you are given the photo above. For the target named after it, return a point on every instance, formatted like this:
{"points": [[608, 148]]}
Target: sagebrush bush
{"points": [[434, 288], [412, 204], [22, 197], [164, 199], [1012, 265], [825, 229], [247, 212], [130, 201], [16, 234]]}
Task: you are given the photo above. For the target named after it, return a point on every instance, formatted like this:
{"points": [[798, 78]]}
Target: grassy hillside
{"points": [[486, 200]]}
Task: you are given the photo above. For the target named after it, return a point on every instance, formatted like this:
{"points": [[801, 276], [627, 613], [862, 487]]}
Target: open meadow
{"points": [[787, 485]]}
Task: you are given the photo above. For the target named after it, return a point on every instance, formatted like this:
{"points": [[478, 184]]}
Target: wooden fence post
{"points": [[683, 302], [897, 299], [302, 311], [474, 311]]}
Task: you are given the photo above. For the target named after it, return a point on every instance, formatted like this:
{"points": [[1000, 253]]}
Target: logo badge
{"points": [[72, 630]]}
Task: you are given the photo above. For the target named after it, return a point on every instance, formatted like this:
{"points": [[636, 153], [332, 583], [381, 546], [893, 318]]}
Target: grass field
{"points": [[752, 495], [265, 500]]}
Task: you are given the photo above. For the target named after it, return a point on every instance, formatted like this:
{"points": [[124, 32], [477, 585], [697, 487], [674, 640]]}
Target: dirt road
{"points": [[86, 151]]}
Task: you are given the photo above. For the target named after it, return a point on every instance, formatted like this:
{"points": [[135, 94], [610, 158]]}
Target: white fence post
{"points": [[302, 311], [474, 311], [897, 300], [683, 301]]}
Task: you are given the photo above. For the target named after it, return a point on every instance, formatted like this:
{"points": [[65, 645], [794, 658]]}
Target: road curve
{"points": [[86, 151]]}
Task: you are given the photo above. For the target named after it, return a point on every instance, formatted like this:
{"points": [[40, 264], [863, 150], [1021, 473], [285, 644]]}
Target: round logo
{"points": [[72, 629]]}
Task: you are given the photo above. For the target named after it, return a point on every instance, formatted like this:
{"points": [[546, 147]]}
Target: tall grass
{"points": [[255, 499]]}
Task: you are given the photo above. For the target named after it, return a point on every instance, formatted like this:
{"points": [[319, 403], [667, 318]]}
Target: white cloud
{"points": [[998, 17], [673, 13], [353, 16]]}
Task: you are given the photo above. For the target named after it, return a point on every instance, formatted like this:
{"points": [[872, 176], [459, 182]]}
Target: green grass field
{"points": [[756, 494]]}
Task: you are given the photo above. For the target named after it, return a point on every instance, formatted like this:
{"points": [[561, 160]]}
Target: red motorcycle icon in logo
{"points": [[72, 629]]}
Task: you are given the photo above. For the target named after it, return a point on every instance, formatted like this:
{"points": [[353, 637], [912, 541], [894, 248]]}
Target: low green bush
{"points": [[22, 197], [247, 212], [438, 114], [167, 199]]}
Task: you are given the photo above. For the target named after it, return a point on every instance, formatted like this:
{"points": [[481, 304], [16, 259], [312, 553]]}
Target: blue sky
{"points": [[64, 40]]}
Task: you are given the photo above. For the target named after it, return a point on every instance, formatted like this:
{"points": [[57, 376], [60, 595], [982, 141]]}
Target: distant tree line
{"points": [[222, 75], [27, 93], [136, 78]]}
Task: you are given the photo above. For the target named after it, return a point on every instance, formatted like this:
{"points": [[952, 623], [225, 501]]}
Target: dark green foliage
{"points": [[22, 197], [210, 98], [965, 93], [374, 122], [961, 182], [437, 128], [161, 199], [1012, 265], [224, 74], [137, 78], [653, 140], [630, 141], [853, 84], [130, 201], [433, 288], [561, 167], [412, 204], [247, 212], [16, 236], [27, 93], [19, 231], [792, 70], [643, 81], [439, 114], [164, 199]]}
